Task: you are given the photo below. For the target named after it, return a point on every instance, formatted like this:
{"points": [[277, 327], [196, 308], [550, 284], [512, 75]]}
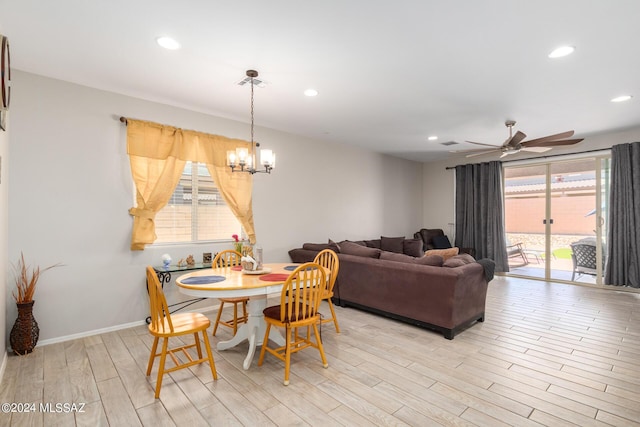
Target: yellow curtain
{"points": [[158, 154]]}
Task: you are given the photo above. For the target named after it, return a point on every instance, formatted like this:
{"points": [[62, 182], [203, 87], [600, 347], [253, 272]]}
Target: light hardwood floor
{"points": [[547, 354]]}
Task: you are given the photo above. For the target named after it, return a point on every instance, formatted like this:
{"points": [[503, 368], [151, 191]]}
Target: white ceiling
{"points": [[389, 73]]}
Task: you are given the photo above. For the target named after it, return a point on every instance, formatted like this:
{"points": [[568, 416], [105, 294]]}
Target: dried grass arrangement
{"points": [[26, 280]]}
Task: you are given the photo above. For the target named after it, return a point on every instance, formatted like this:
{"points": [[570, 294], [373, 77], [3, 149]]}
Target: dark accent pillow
{"points": [[458, 260], [316, 246], [351, 248], [435, 260], [441, 242], [412, 247], [334, 246], [392, 244], [373, 243]]}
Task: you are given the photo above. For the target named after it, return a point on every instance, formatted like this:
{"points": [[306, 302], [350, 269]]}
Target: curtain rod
{"points": [[123, 119], [542, 157]]}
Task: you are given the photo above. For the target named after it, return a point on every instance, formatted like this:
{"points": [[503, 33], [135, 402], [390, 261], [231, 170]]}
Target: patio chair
{"points": [[516, 250], [584, 259]]}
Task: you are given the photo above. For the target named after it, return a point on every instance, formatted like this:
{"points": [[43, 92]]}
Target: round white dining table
{"points": [[229, 282]]}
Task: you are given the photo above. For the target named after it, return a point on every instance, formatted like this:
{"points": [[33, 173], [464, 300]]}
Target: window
{"points": [[196, 211]]}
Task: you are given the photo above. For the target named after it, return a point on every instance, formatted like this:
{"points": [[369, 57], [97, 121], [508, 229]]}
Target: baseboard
{"points": [[105, 330]]}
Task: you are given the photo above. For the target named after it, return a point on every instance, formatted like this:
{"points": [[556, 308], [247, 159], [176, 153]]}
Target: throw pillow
{"points": [[351, 248], [458, 260], [373, 243], [315, 246], [467, 258], [441, 242], [392, 244], [334, 246], [434, 260], [412, 247], [444, 253]]}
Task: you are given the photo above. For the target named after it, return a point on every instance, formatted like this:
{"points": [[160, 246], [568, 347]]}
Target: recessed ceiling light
{"points": [[562, 51], [311, 92], [168, 43], [621, 98], [433, 138]]}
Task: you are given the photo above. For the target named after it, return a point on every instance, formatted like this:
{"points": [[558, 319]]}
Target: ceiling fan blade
{"points": [[483, 152], [567, 134], [516, 139], [536, 149], [533, 143], [480, 143]]}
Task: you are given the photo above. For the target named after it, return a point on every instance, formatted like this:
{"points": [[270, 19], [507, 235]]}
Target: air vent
{"points": [[449, 143], [256, 82]]}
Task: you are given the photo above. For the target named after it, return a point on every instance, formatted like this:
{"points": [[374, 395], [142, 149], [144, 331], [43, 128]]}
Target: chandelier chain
{"points": [[251, 113]]}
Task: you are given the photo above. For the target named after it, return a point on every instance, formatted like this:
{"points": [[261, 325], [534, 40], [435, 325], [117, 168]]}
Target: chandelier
{"points": [[244, 159]]}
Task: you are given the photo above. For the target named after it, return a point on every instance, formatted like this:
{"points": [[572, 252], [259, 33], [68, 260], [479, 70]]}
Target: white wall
{"points": [[70, 190], [438, 182]]}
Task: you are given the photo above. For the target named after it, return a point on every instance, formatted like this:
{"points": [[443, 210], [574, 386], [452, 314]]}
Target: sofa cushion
{"points": [[316, 246], [393, 256], [351, 248], [434, 260], [357, 242], [412, 247], [392, 244], [441, 242], [444, 253], [373, 243]]}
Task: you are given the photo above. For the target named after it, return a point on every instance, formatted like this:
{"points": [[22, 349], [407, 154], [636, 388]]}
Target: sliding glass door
{"points": [[554, 229]]}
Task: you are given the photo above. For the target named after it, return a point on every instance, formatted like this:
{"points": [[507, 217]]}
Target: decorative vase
{"points": [[25, 332]]}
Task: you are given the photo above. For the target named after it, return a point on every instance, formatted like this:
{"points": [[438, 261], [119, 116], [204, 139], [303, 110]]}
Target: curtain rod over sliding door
{"points": [[601, 150]]}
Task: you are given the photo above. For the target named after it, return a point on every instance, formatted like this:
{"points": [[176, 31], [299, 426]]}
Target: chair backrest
{"points": [[427, 235], [329, 259], [302, 293], [584, 255], [227, 258], [157, 302]]}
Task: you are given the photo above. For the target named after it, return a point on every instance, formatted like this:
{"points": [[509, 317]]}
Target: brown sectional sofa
{"points": [[445, 299]]}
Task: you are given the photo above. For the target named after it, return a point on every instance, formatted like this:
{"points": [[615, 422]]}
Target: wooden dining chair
{"points": [[165, 325], [329, 259], [230, 258], [298, 308]]}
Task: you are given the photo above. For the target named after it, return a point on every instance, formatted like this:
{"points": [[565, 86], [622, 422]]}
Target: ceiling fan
{"points": [[515, 143]]}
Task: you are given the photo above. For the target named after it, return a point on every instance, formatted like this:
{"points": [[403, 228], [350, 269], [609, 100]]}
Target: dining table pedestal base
{"points": [[253, 331]]}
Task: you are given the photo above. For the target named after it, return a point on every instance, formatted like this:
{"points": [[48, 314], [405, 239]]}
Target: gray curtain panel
{"points": [[479, 213], [623, 265]]}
